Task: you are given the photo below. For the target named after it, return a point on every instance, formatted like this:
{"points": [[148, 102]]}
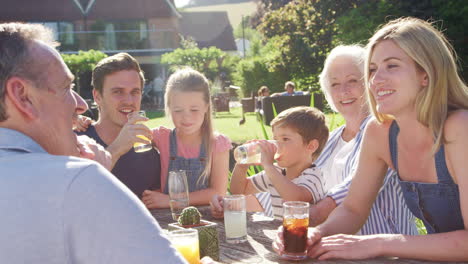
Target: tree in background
{"points": [[258, 69], [81, 65], [359, 24], [214, 63], [305, 30]]}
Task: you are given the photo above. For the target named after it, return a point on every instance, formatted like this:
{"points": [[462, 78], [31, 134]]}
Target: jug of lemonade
{"points": [[250, 152]]}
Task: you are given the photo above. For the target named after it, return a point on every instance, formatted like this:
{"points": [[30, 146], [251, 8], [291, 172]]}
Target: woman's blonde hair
{"points": [[190, 80], [434, 55]]}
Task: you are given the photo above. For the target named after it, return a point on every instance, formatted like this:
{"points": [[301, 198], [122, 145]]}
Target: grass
{"points": [[227, 123]]}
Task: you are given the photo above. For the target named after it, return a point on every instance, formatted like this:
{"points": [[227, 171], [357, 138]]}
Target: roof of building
{"points": [[71, 10], [44, 10], [208, 29], [135, 9]]}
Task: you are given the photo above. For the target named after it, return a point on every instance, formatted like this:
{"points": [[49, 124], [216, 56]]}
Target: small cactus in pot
{"points": [[189, 216], [207, 231]]}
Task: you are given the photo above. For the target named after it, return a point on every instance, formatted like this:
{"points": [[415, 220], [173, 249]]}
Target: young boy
{"points": [[300, 133]]}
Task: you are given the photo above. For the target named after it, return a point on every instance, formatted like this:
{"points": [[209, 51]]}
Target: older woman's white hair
{"points": [[355, 52]]}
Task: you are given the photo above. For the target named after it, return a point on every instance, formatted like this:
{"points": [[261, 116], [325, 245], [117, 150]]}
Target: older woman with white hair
{"points": [[342, 83]]}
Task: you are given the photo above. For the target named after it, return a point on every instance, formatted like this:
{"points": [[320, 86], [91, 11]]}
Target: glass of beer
{"points": [[235, 219], [186, 242], [178, 192], [142, 147], [295, 225]]}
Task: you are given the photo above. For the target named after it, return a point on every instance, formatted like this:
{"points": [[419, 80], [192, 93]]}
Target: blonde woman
{"points": [[421, 131]]}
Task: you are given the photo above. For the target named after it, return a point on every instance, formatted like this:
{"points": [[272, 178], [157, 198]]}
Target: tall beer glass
{"points": [[178, 192], [142, 147]]}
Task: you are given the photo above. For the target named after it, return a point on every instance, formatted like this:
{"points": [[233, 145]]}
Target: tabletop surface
{"points": [[261, 231]]}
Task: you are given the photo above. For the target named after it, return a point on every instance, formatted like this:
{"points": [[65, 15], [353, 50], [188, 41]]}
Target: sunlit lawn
{"points": [[227, 123]]}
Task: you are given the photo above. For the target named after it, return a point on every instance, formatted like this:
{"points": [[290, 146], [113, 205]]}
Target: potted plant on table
{"points": [[207, 231]]}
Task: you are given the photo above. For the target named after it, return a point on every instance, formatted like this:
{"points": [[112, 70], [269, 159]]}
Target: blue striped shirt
{"points": [[389, 214]]}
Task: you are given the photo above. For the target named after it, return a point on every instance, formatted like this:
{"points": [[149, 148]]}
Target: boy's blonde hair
{"points": [[190, 80], [309, 122], [434, 55]]}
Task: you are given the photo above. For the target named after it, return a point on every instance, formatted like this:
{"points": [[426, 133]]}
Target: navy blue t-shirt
{"points": [[138, 171]]}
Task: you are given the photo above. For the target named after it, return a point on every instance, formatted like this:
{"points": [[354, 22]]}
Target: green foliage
{"points": [[249, 33], [259, 69], [274, 4], [209, 61], [83, 61], [262, 126], [305, 29], [358, 24], [421, 228]]}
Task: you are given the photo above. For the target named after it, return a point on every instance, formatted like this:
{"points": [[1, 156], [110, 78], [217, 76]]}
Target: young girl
{"points": [[421, 131], [192, 145]]}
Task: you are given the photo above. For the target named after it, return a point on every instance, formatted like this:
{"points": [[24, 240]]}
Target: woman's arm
{"points": [[218, 180], [349, 217], [450, 246]]}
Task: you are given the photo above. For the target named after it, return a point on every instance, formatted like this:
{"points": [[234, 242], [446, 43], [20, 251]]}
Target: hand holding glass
{"points": [[142, 147], [235, 218], [178, 192], [186, 242], [295, 225], [250, 153]]}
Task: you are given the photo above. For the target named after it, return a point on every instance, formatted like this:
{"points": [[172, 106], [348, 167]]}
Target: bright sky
{"points": [[180, 3]]}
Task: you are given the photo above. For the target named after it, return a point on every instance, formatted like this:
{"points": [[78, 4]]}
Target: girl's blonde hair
{"points": [[190, 80], [434, 55]]}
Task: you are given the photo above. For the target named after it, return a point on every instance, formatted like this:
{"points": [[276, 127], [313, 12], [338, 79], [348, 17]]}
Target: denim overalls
{"points": [[436, 204], [193, 167]]}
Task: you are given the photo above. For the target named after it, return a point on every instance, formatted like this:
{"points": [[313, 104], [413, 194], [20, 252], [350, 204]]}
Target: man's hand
{"points": [[216, 206], [81, 123], [89, 149], [155, 199], [129, 135]]}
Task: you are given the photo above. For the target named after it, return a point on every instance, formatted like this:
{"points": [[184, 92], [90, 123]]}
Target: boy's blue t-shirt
{"points": [[138, 171]]}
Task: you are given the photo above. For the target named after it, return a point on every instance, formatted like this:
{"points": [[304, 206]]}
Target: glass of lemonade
{"points": [[186, 242], [295, 225], [142, 147], [235, 218], [178, 192]]}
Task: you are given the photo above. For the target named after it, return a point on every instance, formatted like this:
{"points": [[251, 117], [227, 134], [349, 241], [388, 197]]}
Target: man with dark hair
{"points": [[57, 208], [118, 84]]}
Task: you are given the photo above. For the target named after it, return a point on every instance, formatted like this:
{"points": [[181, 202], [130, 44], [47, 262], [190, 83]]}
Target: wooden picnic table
{"points": [[258, 249]]}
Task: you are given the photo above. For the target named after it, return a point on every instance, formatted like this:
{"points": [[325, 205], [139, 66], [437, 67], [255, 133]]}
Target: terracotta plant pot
{"points": [[207, 237]]}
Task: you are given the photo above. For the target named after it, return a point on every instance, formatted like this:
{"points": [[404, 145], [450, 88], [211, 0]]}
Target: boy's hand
{"points": [[268, 151], [216, 206]]}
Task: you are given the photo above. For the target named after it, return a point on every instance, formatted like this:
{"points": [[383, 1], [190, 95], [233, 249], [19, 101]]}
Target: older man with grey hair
{"points": [[57, 207]]}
